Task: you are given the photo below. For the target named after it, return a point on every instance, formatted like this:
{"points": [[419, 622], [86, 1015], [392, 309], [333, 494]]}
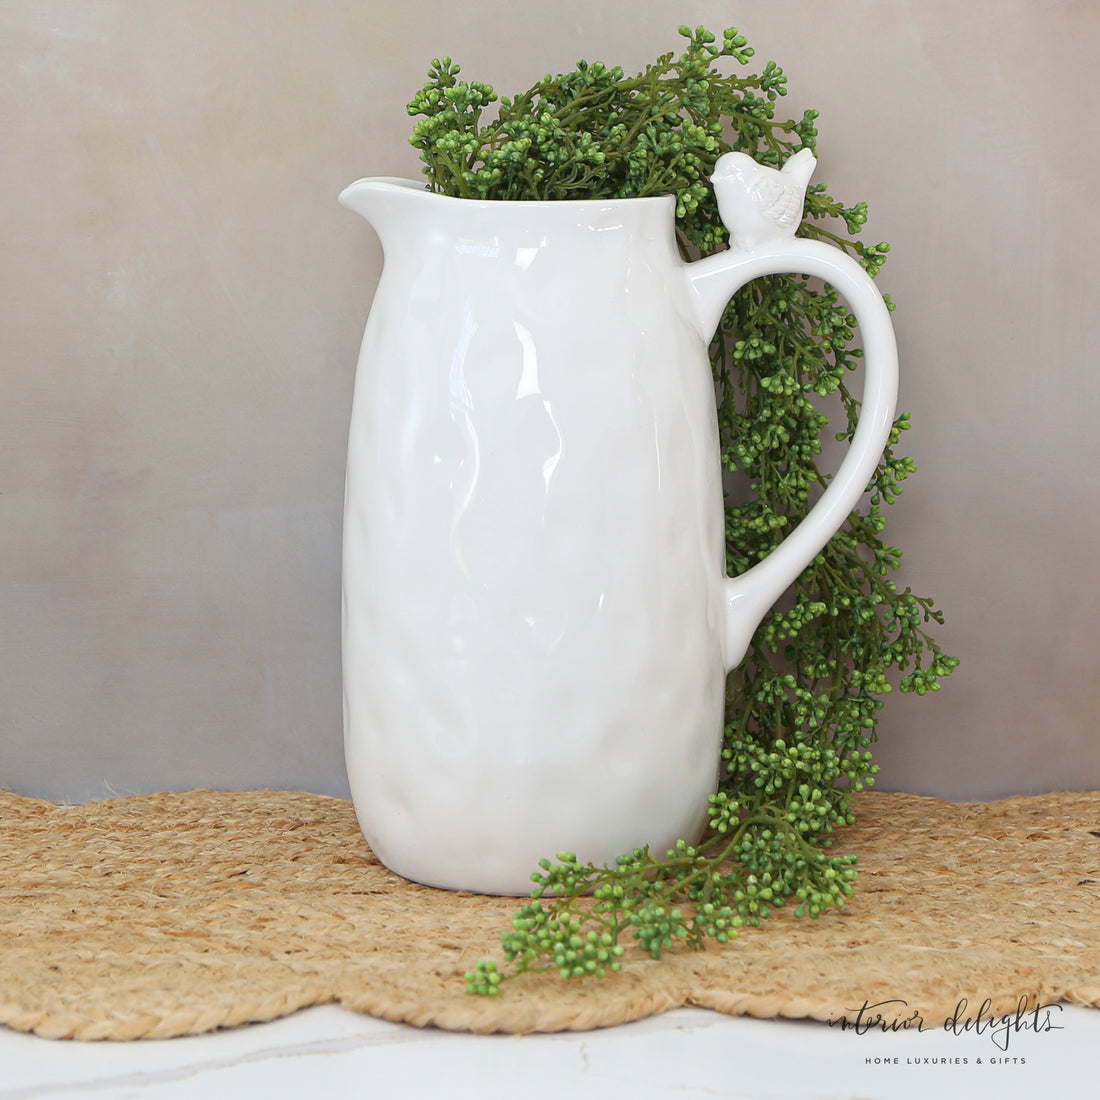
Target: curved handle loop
{"points": [[714, 280]]}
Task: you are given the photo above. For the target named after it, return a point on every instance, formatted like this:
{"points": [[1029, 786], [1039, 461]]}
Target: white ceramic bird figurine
{"points": [[758, 204]]}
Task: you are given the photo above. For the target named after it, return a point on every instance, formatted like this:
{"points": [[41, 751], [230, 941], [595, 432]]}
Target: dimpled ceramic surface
{"points": [[537, 622]]}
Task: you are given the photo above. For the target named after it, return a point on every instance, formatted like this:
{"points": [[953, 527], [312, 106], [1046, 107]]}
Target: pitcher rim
{"points": [[403, 183]]}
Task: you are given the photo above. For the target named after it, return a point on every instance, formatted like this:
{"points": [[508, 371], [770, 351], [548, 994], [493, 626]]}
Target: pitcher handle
{"points": [[714, 280]]}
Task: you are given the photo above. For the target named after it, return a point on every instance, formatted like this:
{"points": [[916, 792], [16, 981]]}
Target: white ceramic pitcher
{"points": [[537, 622]]}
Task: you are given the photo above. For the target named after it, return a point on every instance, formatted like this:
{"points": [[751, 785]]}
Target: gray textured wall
{"points": [[182, 301]]}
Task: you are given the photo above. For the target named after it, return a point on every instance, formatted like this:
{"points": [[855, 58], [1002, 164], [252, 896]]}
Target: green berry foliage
{"points": [[803, 705]]}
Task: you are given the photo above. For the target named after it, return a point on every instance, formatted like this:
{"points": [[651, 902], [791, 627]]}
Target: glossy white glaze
{"points": [[536, 619]]}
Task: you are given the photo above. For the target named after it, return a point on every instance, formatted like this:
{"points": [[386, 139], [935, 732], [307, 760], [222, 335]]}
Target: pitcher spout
{"points": [[385, 201]]}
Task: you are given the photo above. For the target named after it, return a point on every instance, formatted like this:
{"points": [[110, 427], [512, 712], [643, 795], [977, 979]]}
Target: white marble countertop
{"points": [[328, 1052]]}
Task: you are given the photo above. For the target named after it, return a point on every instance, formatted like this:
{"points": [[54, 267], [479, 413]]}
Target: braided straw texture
{"points": [[174, 914]]}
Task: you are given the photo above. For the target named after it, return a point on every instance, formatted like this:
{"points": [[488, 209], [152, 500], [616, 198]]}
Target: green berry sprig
{"points": [[802, 707]]}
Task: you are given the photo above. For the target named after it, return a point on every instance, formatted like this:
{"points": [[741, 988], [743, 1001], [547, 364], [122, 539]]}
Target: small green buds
{"points": [[803, 706]]}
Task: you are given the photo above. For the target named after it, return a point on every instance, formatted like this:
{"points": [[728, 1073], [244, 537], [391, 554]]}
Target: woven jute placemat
{"points": [[175, 914]]}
